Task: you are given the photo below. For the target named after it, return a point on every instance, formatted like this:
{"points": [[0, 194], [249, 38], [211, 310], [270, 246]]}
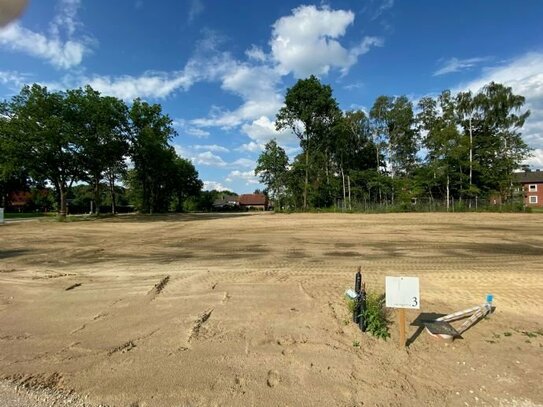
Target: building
{"points": [[226, 202], [253, 201], [532, 187]]}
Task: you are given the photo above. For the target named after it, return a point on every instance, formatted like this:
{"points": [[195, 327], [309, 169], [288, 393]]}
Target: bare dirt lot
{"points": [[205, 310]]}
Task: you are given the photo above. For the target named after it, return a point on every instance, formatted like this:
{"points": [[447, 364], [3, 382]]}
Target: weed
{"points": [[356, 344], [529, 334], [376, 315], [507, 334]]}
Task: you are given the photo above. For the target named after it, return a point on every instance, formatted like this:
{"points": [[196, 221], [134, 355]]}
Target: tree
{"points": [[101, 124], [272, 167], [498, 146], [41, 135], [159, 174], [309, 111], [186, 182], [352, 147]]}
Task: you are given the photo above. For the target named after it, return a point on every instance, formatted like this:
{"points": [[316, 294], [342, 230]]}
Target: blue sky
{"points": [[220, 69]]}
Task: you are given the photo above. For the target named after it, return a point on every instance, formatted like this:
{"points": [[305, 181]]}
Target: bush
{"points": [[376, 315]]}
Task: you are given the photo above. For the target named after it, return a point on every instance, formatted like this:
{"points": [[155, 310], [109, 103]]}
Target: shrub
{"points": [[376, 315]]}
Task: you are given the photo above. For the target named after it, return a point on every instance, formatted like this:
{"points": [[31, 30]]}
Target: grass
{"points": [[375, 315]]}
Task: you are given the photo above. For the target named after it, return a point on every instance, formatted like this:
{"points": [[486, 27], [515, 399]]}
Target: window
{"points": [[533, 199], [532, 188]]}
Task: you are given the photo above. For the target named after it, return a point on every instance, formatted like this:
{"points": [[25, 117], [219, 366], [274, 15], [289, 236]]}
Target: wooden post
{"points": [[401, 322]]}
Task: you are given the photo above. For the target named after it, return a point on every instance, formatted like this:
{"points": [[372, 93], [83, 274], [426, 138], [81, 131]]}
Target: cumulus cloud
{"points": [[525, 75], [243, 162], [251, 147], [58, 47], [306, 42], [247, 176], [456, 65], [263, 130], [213, 185]]}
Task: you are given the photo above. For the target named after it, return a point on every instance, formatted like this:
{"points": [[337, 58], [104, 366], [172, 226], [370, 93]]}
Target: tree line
{"points": [[64, 139], [457, 147]]}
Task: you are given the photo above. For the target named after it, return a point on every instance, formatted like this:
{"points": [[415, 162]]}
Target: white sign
{"points": [[402, 292], [1, 215]]}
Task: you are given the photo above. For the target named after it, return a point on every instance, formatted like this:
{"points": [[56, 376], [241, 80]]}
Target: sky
{"points": [[220, 69]]}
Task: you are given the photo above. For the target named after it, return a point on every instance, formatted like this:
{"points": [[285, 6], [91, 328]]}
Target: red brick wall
{"points": [[538, 193]]}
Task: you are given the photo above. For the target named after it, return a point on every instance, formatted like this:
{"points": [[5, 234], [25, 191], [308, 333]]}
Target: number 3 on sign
{"points": [[402, 292]]}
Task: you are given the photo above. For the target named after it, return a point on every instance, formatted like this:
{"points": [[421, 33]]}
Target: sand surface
{"points": [[248, 309]]}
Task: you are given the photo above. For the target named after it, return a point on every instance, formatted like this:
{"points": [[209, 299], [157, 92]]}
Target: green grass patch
{"points": [[376, 315]]}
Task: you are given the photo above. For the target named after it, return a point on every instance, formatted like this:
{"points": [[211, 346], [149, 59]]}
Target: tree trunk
{"points": [[447, 193], [343, 180], [470, 153], [112, 193], [96, 193], [306, 174], [349, 184], [62, 195]]}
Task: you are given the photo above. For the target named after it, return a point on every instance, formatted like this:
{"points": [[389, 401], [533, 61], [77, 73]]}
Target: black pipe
{"points": [[357, 289]]}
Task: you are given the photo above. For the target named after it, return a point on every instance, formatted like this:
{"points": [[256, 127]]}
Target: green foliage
{"points": [[376, 316], [271, 167], [67, 138]]}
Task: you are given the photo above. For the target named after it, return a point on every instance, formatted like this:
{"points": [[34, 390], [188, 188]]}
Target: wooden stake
{"points": [[401, 322]]}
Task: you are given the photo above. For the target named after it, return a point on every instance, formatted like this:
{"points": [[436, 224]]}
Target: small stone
{"points": [[273, 378]]}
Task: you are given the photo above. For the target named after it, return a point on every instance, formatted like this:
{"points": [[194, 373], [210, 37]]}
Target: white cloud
{"points": [[306, 42], [525, 75], [536, 161], [183, 127], [13, 78], [211, 147], [196, 8], [66, 18], [213, 185], [247, 176], [243, 162], [256, 54], [148, 85], [384, 6], [60, 52], [251, 147], [263, 130], [209, 159], [456, 65]]}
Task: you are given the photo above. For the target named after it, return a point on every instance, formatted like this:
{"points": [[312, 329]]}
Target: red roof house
{"points": [[253, 201]]}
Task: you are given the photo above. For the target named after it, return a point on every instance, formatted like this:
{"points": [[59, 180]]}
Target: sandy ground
{"points": [[241, 310]]}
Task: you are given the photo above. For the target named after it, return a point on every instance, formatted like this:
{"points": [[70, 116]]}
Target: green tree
{"points": [[272, 167], [101, 124], [309, 112], [186, 182], [498, 145], [41, 138]]}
